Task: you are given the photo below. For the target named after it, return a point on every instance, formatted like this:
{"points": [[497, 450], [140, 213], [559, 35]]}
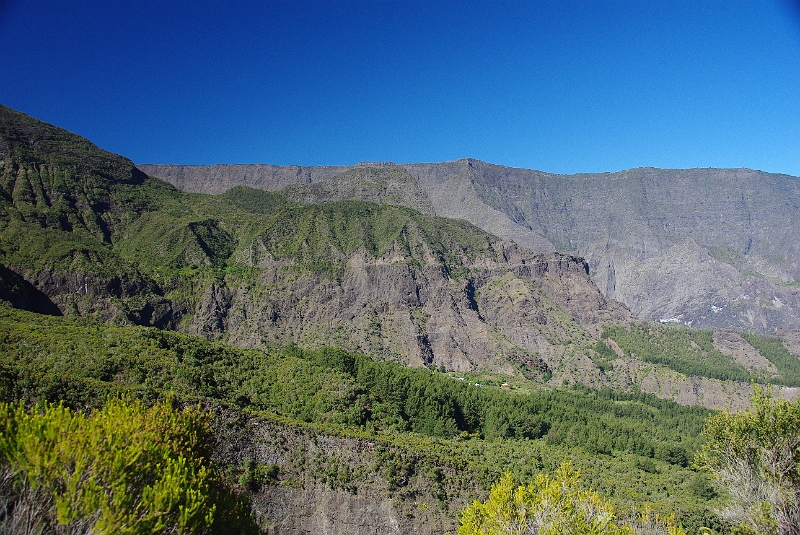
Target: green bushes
{"points": [[755, 456], [123, 469], [46, 358], [604, 432], [436, 405], [681, 349], [773, 350], [556, 505]]}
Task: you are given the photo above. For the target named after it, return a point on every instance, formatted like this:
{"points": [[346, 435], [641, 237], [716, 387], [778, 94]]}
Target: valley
{"points": [[377, 344]]}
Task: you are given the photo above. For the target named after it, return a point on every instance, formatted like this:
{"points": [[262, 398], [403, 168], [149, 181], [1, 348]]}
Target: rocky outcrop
{"points": [[329, 484], [733, 345], [510, 307]]}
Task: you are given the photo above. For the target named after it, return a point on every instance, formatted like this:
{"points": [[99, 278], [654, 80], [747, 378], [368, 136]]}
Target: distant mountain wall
{"points": [[711, 248]]}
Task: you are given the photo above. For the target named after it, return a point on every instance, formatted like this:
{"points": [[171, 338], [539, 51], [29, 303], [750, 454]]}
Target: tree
{"points": [[755, 455]]}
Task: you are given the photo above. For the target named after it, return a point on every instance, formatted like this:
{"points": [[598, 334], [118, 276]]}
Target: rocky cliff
{"points": [[512, 309], [329, 484], [712, 248]]}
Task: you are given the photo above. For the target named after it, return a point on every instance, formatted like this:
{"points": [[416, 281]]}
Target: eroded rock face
{"points": [[509, 308], [710, 248], [733, 345], [791, 340], [685, 284], [376, 487], [381, 183]]}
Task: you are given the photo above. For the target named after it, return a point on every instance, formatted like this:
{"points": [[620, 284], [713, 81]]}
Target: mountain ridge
{"points": [[723, 258], [261, 269]]}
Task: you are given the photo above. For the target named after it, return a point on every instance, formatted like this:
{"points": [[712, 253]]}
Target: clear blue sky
{"points": [[561, 86]]}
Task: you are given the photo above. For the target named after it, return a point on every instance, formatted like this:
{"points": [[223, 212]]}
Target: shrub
{"points": [[124, 469], [755, 456], [553, 506]]}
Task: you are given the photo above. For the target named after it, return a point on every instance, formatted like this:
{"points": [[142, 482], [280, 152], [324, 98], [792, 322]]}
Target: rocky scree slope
{"points": [[712, 248]]}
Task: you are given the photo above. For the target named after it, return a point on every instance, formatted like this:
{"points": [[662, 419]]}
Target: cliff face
{"points": [[711, 248], [220, 178], [706, 247], [337, 484], [514, 308]]}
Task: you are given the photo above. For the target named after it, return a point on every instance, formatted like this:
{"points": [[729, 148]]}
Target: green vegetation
{"points": [[553, 506], [125, 469], [688, 351], [113, 228], [692, 352], [604, 356], [755, 457], [632, 447], [773, 350], [81, 362]]}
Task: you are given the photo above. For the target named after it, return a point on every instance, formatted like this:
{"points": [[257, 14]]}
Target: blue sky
{"points": [[560, 86]]}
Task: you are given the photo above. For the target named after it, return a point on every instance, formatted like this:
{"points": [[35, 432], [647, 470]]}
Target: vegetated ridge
{"points": [[711, 248]]}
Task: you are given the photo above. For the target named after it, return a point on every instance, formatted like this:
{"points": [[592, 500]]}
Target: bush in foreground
{"points": [[125, 469], [553, 506], [755, 456]]}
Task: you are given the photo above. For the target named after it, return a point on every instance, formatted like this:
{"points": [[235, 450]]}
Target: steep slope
{"points": [[63, 203], [384, 280], [706, 247], [713, 248], [85, 232], [93, 237], [213, 179]]}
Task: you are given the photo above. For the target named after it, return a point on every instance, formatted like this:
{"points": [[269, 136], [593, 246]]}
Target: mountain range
{"points": [[377, 343], [355, 257], [710, 248]]}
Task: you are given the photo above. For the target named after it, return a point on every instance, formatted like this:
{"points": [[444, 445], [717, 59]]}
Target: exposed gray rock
{"points": [[221, 178], [387, 183], [733, 345], [516, 308], [711, 248]]}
